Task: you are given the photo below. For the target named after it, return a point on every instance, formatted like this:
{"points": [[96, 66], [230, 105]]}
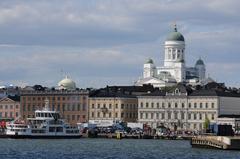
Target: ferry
{"points": [[45, 124]]}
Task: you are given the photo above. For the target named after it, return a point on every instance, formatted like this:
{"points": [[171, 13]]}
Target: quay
{"points": [[218, 142]]}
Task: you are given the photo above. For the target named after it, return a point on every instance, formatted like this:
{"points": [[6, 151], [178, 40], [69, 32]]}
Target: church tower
{"points": [[201, 70], [175, 55], [149, 69]]}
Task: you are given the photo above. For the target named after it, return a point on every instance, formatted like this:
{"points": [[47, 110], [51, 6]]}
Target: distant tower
{"points": [[149, 69], [175, 54], [201, 69]]}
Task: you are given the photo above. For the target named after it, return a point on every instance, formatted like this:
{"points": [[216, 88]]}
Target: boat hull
{"points": [[44, 136]]}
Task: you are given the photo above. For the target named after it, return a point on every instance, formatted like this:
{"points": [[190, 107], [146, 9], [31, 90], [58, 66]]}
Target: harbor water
{"points": [[107, 149]]}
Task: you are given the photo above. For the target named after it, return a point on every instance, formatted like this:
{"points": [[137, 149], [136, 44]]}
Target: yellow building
{"points": [[116, 103]]}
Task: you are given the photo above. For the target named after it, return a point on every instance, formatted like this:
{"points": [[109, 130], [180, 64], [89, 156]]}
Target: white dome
{"points": [[67, 83]]}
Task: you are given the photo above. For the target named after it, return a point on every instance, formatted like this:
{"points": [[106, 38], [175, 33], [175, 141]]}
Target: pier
{"points": [[218, 142]]}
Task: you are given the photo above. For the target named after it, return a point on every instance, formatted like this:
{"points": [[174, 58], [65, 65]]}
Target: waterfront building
{"points": [[115, 104], [72, 103], [183, 108], [174, 69], [9, 108]]}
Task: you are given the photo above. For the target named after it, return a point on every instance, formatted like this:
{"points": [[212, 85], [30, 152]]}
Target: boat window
{"points": [[59, 129], [51, 129]]}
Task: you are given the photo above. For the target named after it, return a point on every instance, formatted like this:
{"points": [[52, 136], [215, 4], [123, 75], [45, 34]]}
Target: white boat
{"points": [[45, 124]]}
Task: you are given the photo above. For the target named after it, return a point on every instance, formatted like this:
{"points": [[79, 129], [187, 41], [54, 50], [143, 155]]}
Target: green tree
{"points": [[206, 123]]}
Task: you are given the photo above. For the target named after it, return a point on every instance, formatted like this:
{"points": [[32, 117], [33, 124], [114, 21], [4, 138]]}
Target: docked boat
{"points": [[45, 124]]}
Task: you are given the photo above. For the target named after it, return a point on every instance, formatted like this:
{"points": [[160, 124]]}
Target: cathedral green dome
{"points": [[175, 36], [149, 61], [199, 62]]}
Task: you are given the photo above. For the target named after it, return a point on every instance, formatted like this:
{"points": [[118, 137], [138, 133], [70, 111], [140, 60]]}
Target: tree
{"points": [[206, 123]]}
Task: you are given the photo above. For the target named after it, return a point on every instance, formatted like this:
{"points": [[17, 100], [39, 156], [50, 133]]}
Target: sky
{"points": [[106, 42]]}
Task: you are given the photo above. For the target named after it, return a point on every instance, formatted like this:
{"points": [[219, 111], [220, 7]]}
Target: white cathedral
{"points": [[174, 69]]}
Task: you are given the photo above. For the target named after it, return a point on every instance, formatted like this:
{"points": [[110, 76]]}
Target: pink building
{"points": [[9, 108]]}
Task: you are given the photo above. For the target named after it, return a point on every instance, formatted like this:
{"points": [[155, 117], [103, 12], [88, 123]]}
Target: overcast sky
{"points": [[106, 42]]}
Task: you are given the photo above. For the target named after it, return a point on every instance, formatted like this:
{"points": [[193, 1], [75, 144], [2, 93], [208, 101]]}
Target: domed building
{"points": [[174, 69], [67, 84]]}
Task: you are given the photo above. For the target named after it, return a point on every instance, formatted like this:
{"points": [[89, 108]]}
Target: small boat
{"points": [[45, 124]]}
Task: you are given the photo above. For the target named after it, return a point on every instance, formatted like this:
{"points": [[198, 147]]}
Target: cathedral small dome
{"points": [[175, 36], [199, 62], [149, 61], [67, 84]]}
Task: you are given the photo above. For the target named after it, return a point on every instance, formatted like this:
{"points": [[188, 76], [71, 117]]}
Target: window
{"points": [[182, 115], [116, 115], [93, 114], [116, 106], [98, 106], [110, 106], [169, 105], [122, 115], [200, 116], [110, 115], [175, 115], [169, 115], [151, 115], [98, 114], [195, 116], [195, 105], [163, 115], [206, 105], [163, 105], [6, 106], [63, 107], [92, 106], [212, 105], [122, 106], [183, 105], [213, 117], [16, 114], [189, 105], [29, 107], [189, 116], [84, 107], [176, 105], [141, 115], [157, 105], [73, 117], [152, 105], [200, 105], [146, 115], [146, 105], [157, 115], [174, 55]]}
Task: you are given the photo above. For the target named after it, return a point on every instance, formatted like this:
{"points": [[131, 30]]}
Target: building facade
{"points": [[72, 104], [116, 109], [115, 103], [174, 69], [186, 110], [9, 108]]}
